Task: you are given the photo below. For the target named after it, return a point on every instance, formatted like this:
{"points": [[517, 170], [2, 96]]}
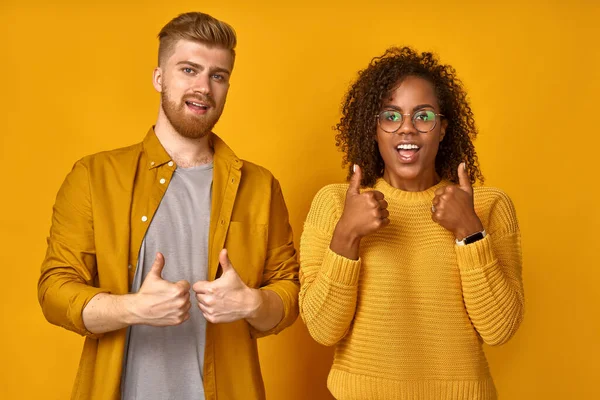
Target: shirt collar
{"points": [[157, 155]]}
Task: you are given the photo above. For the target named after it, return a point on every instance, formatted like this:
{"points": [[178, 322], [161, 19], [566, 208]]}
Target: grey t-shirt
{"points": [[162, 363]]}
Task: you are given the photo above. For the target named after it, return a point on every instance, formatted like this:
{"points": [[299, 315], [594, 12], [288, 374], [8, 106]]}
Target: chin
{"points": [[408, 172]]}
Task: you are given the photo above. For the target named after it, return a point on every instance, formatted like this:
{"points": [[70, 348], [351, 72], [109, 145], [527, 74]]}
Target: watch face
{"points": [[473, 238]]}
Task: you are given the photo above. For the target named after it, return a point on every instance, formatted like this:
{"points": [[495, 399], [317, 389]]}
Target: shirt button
{"points": [[129, 266], [144, 218], [162, 181], [222, 222], [170, 163], [152, 164]]}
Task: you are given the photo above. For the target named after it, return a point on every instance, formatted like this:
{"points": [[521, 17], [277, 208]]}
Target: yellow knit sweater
{"points": [[408, 318]]}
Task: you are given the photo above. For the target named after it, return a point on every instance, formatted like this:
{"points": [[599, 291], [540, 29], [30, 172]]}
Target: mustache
{"points": [[200, 98]]}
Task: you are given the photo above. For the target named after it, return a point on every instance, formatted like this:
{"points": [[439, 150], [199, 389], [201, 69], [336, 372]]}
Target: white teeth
{"points": [[198, 104], [407, 147]]}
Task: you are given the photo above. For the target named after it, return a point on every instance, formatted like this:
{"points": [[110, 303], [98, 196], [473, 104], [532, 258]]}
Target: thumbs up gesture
{"points": [[160, 302], [227, 298], [364, 213], [453, 207]]}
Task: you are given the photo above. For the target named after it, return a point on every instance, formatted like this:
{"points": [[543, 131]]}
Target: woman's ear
{"points": [[443, 127]]}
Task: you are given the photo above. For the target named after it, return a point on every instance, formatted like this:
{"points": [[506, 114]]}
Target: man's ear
{"points": [[157, 79]]}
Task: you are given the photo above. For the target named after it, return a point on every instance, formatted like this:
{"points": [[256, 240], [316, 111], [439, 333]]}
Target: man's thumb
{"points": [[157, 266], [224, 261], [463, 178], [355, 180]]}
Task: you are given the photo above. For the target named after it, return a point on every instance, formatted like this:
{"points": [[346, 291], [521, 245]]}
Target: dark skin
{"points": [[453, 207], [365, 213]]}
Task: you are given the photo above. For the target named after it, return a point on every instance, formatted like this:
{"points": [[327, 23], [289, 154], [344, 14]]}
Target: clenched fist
{"points": [[453, 207], [364, 213], [160, 302]]}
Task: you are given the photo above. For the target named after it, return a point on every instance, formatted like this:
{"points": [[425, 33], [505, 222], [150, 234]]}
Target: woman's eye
{"points": [[425, 116], [393, 117]]}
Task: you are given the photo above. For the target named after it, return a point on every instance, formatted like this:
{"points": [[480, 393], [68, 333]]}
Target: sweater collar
{"points": [[391, 192]]}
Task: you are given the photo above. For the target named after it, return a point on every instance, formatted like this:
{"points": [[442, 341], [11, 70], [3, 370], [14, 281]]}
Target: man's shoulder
{"points": [[113, 158], [256, 172]]}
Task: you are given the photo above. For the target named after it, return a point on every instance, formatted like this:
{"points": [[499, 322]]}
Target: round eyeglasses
{"points": [[391, 121]]}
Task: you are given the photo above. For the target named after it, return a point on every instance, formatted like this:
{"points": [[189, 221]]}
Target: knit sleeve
{"points": [[490, 271], [328, 281]]}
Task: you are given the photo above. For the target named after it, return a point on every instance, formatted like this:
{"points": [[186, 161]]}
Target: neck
{"points": [[416, 184], [186, 152]]}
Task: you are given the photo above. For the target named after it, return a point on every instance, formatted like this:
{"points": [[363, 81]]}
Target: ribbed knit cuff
{"points": [[475, 255], [340, 269]]}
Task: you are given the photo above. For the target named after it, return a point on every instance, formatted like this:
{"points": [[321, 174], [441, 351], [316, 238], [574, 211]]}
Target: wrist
{"points": [[344, 233], [254, 301], [132, 314], [468, 230]]}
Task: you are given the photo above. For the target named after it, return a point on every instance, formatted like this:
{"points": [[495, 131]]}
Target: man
{"points": [[172, 255]]}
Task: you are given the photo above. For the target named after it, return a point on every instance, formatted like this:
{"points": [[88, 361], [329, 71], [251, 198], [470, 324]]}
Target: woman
{"points": [[410, 276]]}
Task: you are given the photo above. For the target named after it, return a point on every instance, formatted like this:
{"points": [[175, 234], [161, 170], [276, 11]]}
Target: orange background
{"points": [[76, 79]]}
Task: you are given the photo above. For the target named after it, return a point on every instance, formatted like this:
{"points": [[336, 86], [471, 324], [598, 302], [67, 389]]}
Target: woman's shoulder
{"points": [[333, 190], [490, 195], [327, 205], [496, 206]]}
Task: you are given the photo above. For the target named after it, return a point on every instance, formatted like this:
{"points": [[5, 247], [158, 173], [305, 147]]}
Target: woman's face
{"points": [[409, 155]]}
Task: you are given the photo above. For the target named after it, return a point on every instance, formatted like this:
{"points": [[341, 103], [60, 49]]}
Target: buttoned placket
{"points": [[163, 174]]}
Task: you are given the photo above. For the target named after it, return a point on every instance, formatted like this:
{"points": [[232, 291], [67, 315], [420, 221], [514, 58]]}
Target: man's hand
{"points": [[227, 298], [157, 303], [453, 207], [160, 302]]}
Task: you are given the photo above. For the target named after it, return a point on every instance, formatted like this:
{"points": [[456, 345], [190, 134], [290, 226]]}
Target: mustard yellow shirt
{"points": [[101, 215], [408, 318]]}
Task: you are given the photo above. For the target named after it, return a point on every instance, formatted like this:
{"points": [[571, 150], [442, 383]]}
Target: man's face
{"points": [[193, 83]]}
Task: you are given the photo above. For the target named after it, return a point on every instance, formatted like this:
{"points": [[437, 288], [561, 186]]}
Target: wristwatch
{"points": [[471, 238]]}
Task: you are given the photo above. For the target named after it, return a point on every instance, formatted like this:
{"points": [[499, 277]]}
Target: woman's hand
{"points": [[453, 207], [364, 213]]}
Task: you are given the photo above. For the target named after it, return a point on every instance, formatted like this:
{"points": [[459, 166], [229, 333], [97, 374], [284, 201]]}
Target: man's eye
{"points": [[188, 70]]}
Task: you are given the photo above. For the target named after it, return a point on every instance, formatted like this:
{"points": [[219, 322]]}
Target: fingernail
{"points": [[464, 166], [354, 168]]}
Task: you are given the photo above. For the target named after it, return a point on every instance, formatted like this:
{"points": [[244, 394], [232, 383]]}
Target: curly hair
{"points": [[357, 128]]}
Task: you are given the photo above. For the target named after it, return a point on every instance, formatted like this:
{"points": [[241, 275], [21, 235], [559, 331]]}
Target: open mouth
{"points": [[197, 106], [407, 152]]}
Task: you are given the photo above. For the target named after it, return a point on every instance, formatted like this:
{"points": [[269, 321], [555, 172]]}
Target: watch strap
{"points": [[471, 238]]}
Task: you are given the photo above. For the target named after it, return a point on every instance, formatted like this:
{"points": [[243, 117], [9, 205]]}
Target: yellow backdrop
{"points": [[76, 79]]}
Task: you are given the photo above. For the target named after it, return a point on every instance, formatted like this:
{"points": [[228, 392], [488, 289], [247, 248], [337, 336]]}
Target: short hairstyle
{"points": [[197, 27], [357, 128]]}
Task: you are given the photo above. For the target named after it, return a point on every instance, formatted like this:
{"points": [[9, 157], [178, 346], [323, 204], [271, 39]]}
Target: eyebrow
{"points": [[202, 68], [415, 108]]}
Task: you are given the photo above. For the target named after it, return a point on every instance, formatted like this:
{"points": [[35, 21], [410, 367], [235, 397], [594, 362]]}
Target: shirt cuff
{"points": [[76, 307]]}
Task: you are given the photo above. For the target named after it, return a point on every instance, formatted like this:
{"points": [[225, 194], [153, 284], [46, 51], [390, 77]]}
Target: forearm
{"points": [[492, 296], [344, 242], [107, 312], [269, 311], [328, 294], [63, 296]]}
